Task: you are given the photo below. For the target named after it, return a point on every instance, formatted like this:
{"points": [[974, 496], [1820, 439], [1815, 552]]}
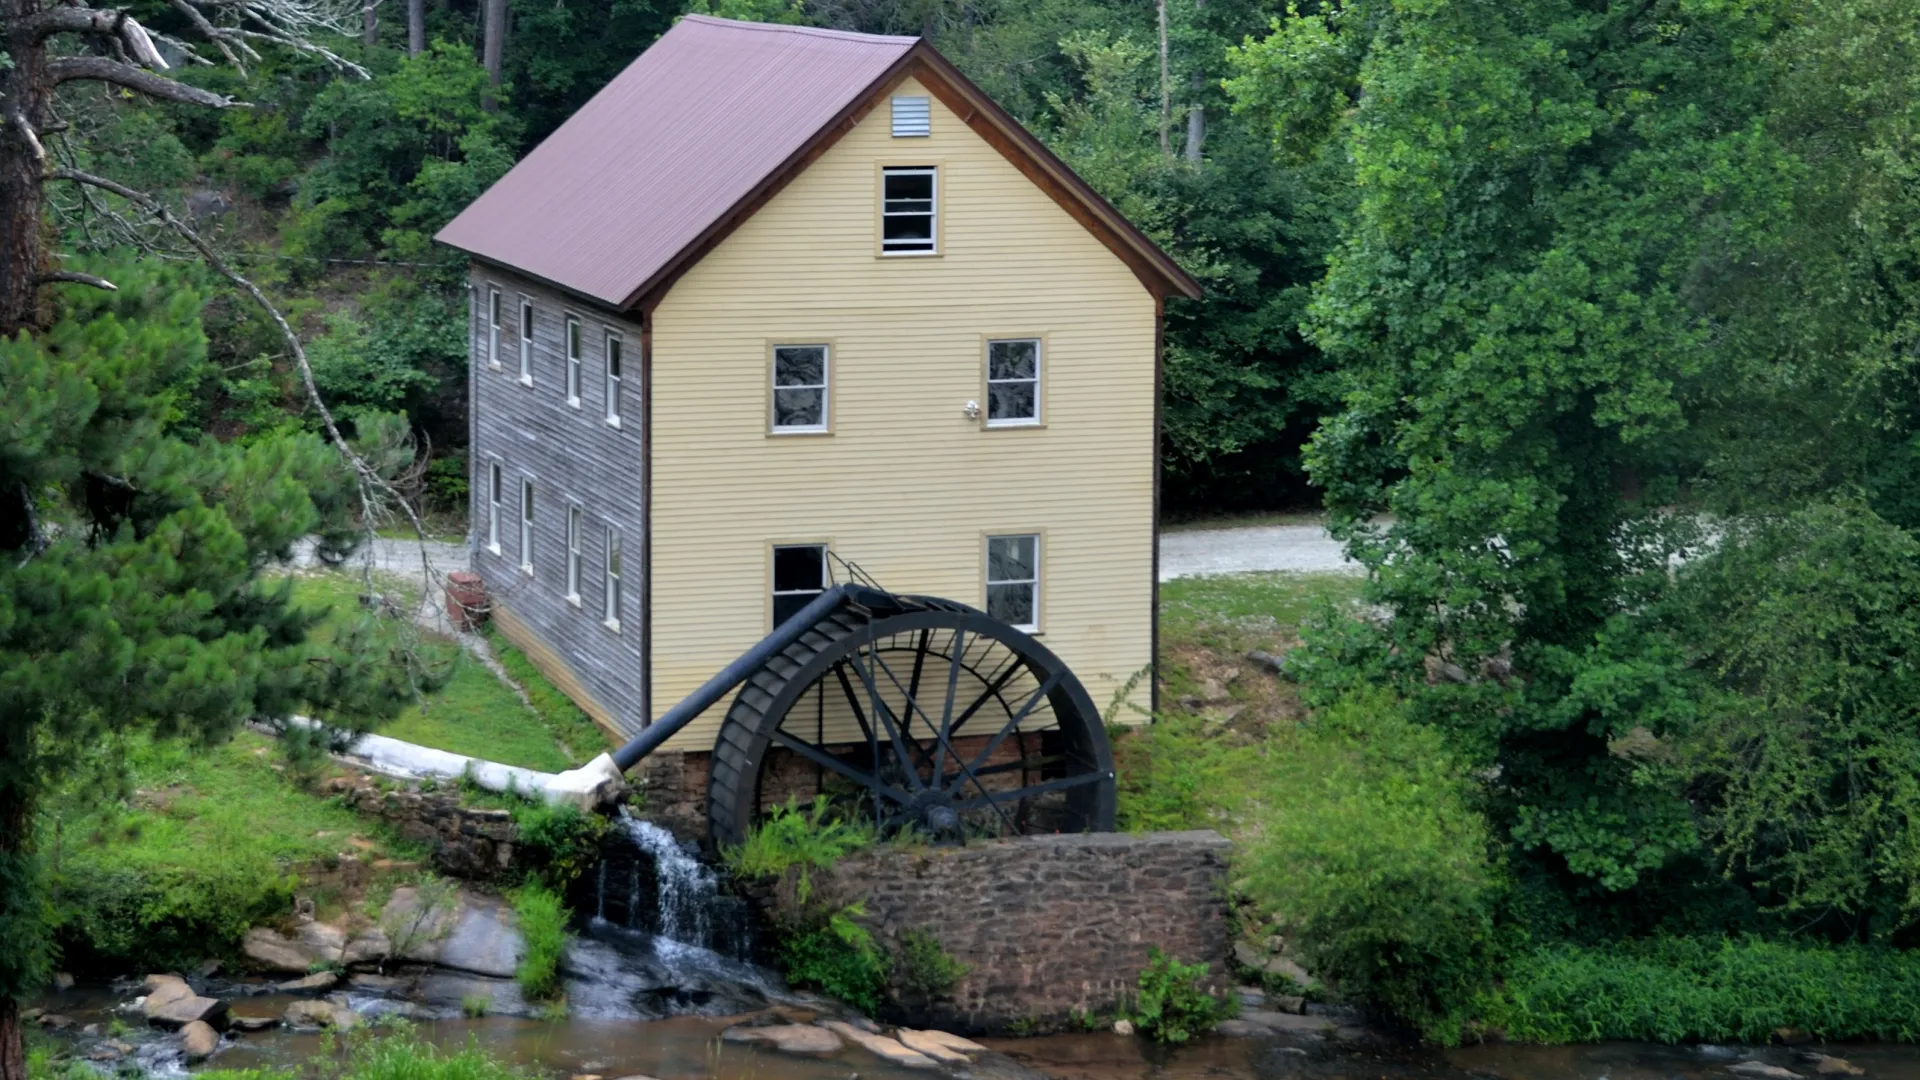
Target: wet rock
{"points": [[198, 1041], [252, 1023], [933, 1048], [795, 1016], [1275, 664], [111, 1050], [317, 983], [1251, 997], [1833, 1066], [55, 1021], [383, 984], [1123, 1027], [91, 1031], [888, 1050], [788, 1038], [586, 1076], [174, 1005], [445, 992], [1235, 1028], [62, 982], [1291, 1003], [320, 1014], [941, 1038], [1762, 1070], [28, 1016]]}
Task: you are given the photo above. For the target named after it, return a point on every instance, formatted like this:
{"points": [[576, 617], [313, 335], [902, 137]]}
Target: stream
{"points": [[659, 970]]}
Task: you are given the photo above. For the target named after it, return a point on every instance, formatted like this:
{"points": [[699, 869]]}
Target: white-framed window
{"points": [[614, 376], [526, 525], [573, 360], [1013, 382], [1013, 579], [799, 575], [493, 327], [800, 388], [912, 116], [610, 602], [909, 214], [573, 554], [526, 341], [493, 506]]}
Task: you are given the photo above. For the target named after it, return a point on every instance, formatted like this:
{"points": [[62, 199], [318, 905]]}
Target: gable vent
{"points": [[912, 116]]}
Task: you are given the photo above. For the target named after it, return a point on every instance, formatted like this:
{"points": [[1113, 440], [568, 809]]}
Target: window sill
{"points": [[574, 599], [787, 433], [611, 624], [526, 380], [527, 570], [1011, 425], [909, 255], [494, 548], [573, 402], [613, 422], [493, 367]]}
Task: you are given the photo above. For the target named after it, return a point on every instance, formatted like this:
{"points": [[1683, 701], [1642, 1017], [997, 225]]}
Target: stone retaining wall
{"points": [[1047, 925], [474, 844]]}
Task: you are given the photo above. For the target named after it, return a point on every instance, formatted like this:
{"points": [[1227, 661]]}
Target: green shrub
{"points": [[922, 967], [1691, 989], [811, 839], [1179, 772], [475, 1006], [838, 958], [1370, 850], [543, 930], [1172, 1006], [564, 840]]}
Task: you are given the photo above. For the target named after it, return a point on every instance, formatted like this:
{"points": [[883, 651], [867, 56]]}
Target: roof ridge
{"points": [[808, 31]]}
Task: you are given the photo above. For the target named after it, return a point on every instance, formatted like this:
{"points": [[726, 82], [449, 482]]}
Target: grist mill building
{"points": [[779, 300]]}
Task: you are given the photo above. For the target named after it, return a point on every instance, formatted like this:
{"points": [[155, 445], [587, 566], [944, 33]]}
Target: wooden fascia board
{"points": [[1155, 269]]}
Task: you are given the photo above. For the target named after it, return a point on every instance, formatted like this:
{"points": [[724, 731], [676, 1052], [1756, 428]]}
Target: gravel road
{"points": [[1299, 548]]}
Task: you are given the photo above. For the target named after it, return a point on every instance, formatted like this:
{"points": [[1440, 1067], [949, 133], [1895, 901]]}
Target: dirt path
{"points": [[1298, 548]]}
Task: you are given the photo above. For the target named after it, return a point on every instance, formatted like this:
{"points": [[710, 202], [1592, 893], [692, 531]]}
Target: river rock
{"points": [[1762, 1070], [111, 1050], [320, 1014], [317, 983], [889, 1050], [252, 1023], [198, 1041], [62, 981], [473, 933], [945, 1039], [933, 1048], [54, 1021], [788, 1038], [1123, 1027], [170, 1002], [1833, 1066]]}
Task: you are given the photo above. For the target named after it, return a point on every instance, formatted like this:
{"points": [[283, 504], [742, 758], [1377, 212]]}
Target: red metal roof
{"points": [[666, 150]]}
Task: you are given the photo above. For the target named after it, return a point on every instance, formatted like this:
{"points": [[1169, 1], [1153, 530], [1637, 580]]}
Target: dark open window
{"points": [[799, 575], [908, 213]]}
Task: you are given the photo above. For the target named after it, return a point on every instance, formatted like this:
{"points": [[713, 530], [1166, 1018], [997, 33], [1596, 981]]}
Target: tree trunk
{"points": [[1196, 120], [370, 22], [13, 1052], [496, 41], [416, 27], [1166, 89], [23, 100]]}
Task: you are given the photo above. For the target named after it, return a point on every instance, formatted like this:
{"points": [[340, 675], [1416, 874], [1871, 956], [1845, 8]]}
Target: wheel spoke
{"points": [[1013, 721], [1031, 790], [992, 690], [825, 760], [883, 714]]}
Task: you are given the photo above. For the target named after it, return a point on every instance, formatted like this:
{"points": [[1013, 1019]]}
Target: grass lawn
{"points": [[1237, 612], [474, 712]]}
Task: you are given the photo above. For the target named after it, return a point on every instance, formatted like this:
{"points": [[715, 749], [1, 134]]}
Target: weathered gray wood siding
{"points": [[574, 458]]}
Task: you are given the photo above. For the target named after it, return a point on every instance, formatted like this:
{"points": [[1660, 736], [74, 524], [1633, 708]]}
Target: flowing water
{"points": [[661, 966]]}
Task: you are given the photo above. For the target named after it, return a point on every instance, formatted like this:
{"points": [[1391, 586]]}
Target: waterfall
{"points": [[648, 881]]}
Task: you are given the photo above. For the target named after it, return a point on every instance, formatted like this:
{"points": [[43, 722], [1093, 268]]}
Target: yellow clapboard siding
{"points": [[906, 486]]}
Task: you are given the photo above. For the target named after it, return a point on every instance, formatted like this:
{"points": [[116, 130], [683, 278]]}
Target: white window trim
{"points": [[773, 555], [496, 485], [526, 341], [575, 518], [572, 342], [493, 326], [526, 525], [987, 584], [615, 383], [932, 211], [1039, 373], [825, 386], [612, 588]]}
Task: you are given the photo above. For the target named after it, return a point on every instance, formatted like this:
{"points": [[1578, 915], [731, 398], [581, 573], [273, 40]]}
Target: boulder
{"points": [[164, 983], [473, 933], [55, 1021], [788, 1038], [1833, 1066], [312, 944], [181, 1011], [198, 1041], [1762, 1070], [891, 1051], [1290, 1003], [1123, 1027], [933, 1048], [317, 983], [943, 1039], [252, 1023], [320, 1014], [62, 981], [112, 1050]]}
